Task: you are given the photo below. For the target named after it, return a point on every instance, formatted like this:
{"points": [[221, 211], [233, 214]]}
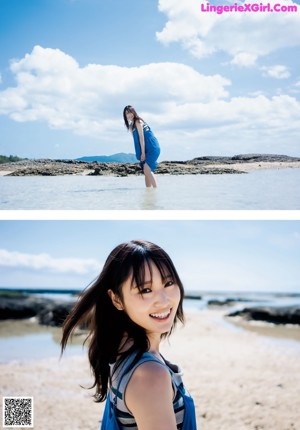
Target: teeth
{"points": [[164, 315]]}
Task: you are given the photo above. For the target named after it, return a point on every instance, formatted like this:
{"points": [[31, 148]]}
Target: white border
{"points": [[151, 215]]}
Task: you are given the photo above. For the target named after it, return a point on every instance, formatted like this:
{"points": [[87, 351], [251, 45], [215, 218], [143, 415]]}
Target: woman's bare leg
{"points": [[149, 177]]}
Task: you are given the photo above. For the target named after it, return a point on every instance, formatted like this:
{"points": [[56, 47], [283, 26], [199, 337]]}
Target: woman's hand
{"points": [[143, 156]]}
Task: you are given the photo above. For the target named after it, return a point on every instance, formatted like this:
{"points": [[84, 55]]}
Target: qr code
{"points": [[18, 412]]}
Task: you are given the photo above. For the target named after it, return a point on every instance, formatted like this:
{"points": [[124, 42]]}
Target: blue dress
{"points": [[152, 149], [116, 414]]}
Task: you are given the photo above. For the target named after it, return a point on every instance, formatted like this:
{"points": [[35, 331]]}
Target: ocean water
{"points": [[259, 190], [23, 340], [36, 346]]}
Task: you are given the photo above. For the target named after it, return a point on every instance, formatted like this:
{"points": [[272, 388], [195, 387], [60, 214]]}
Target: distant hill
{"points": [[115, 158]]}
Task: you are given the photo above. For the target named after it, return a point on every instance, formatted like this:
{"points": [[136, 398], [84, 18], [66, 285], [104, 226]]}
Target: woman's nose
{"points": [[161, 298]]}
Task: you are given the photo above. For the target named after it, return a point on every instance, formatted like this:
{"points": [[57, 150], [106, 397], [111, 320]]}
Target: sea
{"points": [[259, 190], [24, 340]]}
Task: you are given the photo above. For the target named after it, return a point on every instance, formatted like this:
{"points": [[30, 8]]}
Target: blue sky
{"points": [[208, 84], [209, 255]]}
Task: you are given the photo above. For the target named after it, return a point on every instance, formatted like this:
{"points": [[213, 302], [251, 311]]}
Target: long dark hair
{"points": [[107, 325], [133, 111]]}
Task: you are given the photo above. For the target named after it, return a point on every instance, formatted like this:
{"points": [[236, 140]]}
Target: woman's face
{"points": [[129, 116], [155, 307]]}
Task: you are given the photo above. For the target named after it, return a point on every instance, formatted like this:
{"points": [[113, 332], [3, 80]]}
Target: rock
{"points": [[263, 157], [192, 297], [48, 311], [55, 313], [216, 302], [271, 314], [199, 165], [21, 307], [230, 301], [210, 159]]}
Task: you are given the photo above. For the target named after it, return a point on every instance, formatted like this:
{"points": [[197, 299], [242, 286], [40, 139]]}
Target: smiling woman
{"points": [[135, 302]]}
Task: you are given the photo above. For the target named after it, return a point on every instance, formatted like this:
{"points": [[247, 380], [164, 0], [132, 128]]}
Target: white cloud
{"points": [[182, 105], [52, 87], [278, 72], [39, 262], [244, 36], [243, 59]]}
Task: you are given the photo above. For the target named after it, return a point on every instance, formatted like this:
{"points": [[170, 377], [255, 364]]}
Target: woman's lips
{"points": [[161, 315]]}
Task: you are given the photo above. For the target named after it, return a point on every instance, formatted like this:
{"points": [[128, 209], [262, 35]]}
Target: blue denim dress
{"points": [[152, 149]]}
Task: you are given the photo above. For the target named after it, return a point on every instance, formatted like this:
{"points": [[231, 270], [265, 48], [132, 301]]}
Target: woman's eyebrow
{"points": [[163, 278], [135, 285]]}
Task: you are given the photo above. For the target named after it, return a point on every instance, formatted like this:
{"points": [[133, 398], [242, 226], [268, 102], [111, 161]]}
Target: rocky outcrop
{"points": [[45, 167], [47, 311], [245, 158], [21, 307], [219, 303], [230, 301], [192, 297], [271, 314], [199, 165], [54, 314], [115, 169], [73, 167], [190, 168]]}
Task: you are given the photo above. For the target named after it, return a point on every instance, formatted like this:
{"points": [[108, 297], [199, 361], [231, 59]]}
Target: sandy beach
{"points": [[239, 379], [263, 165]]}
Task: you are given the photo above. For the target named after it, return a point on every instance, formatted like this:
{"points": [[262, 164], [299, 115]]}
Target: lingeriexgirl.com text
{"points": [[248, 7]]}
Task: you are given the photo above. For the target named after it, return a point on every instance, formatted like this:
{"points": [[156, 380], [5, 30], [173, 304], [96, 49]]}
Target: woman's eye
{"points": [[145, 291], [169, 284]]}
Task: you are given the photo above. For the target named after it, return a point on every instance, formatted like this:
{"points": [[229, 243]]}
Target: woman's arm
{"points": [[139, 127], [149, 397]]}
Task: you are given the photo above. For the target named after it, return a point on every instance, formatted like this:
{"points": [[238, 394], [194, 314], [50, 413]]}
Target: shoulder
{"points": [[149, 394], [139, 123], [151, 372], [149, 380]]}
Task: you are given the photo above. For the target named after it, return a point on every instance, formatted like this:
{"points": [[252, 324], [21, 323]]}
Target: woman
{"points": [[135, 302], [147, 148]]}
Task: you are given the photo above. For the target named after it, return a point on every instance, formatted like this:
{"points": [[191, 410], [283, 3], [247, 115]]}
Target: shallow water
{"points": [[26, 340], [259, 190]]}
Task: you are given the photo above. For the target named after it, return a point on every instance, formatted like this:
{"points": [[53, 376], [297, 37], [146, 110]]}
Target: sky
{"points": [[207, 83], [209, 255]]}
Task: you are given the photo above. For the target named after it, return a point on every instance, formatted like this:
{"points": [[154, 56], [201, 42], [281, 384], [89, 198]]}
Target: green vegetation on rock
{"points": [[10, 159]]}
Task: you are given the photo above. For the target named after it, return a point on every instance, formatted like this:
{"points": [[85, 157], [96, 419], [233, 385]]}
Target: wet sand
{"points": [[239, 379]]}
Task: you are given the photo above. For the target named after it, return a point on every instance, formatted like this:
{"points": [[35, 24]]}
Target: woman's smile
{"points": [[154, 304], [161, 316]]}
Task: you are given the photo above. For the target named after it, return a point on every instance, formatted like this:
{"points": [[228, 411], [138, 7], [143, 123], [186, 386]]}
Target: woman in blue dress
{"points": [[147, 148], [134, 304]]}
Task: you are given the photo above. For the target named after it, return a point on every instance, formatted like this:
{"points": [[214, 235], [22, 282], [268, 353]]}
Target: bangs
{"points": [[129, 109], [142, 267]]}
